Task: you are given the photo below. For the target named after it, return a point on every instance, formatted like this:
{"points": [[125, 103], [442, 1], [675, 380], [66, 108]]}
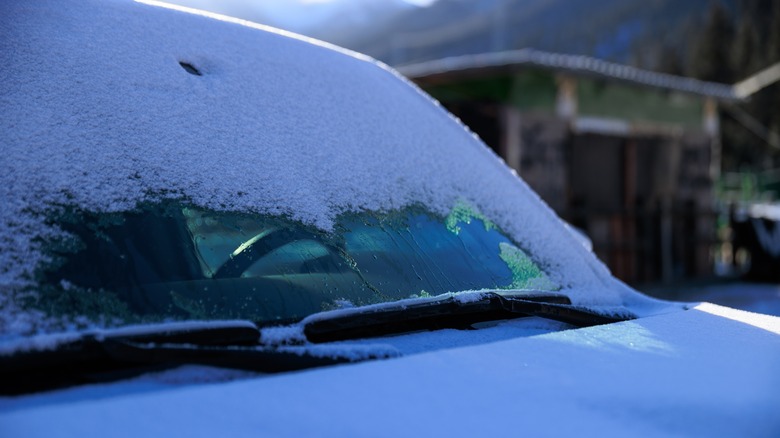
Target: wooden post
{"points": [[512, 141], [711, 126], [566, 103], [629, 204], [667, 251]]}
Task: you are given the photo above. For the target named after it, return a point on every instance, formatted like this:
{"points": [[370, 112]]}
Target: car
{"points": [[211, 227]]}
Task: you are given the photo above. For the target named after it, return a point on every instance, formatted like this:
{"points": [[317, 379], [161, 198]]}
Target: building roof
{"points": [[577, 65]]}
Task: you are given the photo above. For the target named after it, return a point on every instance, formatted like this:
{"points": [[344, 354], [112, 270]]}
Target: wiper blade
{"points": [[127, 352], [85, 346], [90, 356], [453, 312]]}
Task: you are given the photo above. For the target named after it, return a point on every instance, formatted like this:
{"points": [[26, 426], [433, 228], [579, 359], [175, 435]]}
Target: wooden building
{"points": [[627, 155]]}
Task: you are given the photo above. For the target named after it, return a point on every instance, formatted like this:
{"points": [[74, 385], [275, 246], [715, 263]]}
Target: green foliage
{"points": [[731, 48], [710, 60]]}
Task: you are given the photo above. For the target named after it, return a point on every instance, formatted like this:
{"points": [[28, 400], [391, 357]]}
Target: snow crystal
{"points": [[42, 342], [351, 352], [282, 335], [467, 297]]}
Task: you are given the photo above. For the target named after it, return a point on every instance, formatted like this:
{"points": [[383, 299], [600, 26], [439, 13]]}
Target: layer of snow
{"points": [[753, 297], [425, 341], [710, 371], [463, 297], [50, 341], [767, 211], [98, 113]]}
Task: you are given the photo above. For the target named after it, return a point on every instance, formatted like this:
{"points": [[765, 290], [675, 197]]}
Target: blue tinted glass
{"points": [[422, 255], [170, 261]]}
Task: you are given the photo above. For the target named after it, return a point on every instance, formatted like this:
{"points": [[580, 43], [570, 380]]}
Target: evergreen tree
{"points": [[723, 54], [773, 45], [711, 58], [742, 148], [746, 51], [759, 14], [772, 57], [670, 61], [754, 48]]}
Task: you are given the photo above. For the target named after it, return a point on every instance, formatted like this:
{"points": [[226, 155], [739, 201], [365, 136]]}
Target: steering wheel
{"points": [[260, 246]]}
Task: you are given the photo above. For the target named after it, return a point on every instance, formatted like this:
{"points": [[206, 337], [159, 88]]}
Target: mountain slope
{"points": [[611, 29]]}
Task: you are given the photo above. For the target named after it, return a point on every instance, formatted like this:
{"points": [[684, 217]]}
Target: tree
{"points": [[711, 58], [755, 47], [746, 54], [723, 54], [772, 57], [670, 60]]}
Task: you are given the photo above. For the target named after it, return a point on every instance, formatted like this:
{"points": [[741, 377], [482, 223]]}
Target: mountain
{"points": [[331, 20], [645, 33], [630, 31]]}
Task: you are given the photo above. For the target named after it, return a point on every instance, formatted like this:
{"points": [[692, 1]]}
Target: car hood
{"points": [[710, 370]]}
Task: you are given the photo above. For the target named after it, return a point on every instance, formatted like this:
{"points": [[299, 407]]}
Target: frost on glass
{"points": [[525, 273], [172, 260], [465, 213]]}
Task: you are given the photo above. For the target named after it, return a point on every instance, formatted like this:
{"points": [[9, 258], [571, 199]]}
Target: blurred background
{"points": [[651, 125]]}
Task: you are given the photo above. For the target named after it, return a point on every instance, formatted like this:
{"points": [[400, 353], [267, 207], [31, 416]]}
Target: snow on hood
{"points": [[100, 112], [710, 371]]}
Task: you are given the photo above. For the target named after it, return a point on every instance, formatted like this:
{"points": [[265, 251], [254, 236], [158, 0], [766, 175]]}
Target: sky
{"points": [[414, 2], [300, 15]]}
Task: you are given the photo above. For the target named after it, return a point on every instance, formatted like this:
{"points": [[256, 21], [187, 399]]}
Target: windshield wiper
{"points": [[117, 354], [126, 352], [452, 312]]}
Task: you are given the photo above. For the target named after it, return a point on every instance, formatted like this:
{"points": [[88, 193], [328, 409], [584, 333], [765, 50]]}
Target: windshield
{"points": [[175, 261]]}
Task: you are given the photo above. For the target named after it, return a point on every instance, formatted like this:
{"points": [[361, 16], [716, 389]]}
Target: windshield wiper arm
{"points": [[127, 352], [87, 357], [453, 312], [117, 354]]}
